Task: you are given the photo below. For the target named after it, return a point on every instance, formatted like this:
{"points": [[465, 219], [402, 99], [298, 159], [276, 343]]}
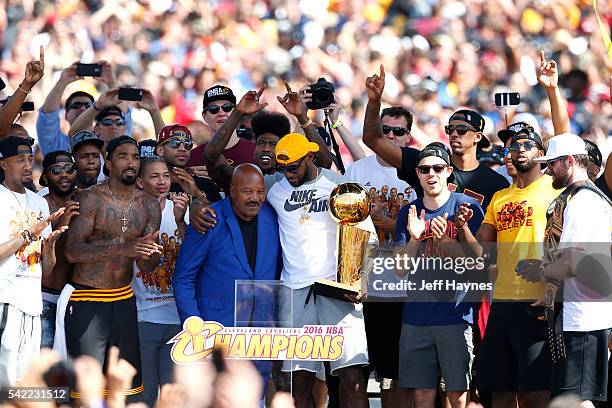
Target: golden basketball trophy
{"points": [[349, 204]]}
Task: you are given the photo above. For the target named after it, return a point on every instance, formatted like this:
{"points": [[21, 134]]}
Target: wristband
{"points": [[337, 124], [23, 90], [96, 108], [308, 123]]}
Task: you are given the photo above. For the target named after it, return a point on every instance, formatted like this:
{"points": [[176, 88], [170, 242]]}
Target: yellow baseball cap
{"points": [[293, 147]]}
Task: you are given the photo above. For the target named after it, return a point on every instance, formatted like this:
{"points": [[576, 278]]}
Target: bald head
{"points": [[247, 191]]}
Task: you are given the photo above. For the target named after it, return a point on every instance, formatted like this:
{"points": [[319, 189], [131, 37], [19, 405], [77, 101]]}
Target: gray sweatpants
{"points": [[19, 342], [157, 365]]}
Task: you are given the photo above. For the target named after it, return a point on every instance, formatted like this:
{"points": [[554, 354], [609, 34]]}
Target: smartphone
{"points": [[92, 70], [244, 133], [507, 98], [2, 84], [130, 94], [27, 107]]}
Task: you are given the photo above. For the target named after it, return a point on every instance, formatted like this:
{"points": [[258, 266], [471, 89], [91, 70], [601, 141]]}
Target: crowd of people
{"points": [[124, 216]]}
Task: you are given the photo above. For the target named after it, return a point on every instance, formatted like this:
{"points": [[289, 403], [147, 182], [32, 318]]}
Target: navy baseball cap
{"points": [[84, 137], [118, 141]]}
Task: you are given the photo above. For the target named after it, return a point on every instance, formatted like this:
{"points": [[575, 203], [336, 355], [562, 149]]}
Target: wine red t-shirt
{"points": [[240, 153]]}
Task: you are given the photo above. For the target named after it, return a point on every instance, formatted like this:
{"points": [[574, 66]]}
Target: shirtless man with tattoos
{"points": [[118, 224]]}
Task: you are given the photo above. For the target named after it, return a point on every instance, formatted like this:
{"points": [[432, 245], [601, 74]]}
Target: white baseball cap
{"points": [[565, 144]]}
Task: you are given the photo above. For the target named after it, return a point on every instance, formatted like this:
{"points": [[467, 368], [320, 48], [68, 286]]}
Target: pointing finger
{"points": [[260, 92], [382, 71], [287, 86], [42, 55], [542, 59]]}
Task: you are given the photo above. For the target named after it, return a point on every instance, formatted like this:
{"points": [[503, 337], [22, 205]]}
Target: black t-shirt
{"points": [[480, 183], [205, 185], [249, 237], [601, 184]]}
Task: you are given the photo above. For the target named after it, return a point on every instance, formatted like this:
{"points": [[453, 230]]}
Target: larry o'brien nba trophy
{"points": [[349, 204]]}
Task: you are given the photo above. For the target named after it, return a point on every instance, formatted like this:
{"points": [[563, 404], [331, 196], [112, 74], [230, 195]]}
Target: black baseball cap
{"points": [[435, 149], [58, 156], [218, 93], [593, 152], [512, 130], [109, 111], [528, 135], [118, 141], [490, 155], [147, 148], [14, 146], [476, 120], [84, 137]]}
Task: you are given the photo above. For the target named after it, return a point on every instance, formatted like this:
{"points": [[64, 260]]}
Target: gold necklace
{"points": [[124, 219]]}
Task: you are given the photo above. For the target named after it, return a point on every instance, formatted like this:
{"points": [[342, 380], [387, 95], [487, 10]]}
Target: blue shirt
{"points": [[438, 313], [51, 138]]}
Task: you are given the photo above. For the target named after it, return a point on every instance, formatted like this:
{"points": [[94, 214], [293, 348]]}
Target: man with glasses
{"points": [[299, 192], [436, 333], [505, 135], [219, 102], [465, 134], [59, 174], [514, 363], [48, 126], [175, 145]]}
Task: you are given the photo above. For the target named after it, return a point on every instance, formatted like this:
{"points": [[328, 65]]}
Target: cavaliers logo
{"points": [[513, 215]]}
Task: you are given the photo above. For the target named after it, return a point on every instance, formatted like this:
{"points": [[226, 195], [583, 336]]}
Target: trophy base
{"points": [[336, 290]]}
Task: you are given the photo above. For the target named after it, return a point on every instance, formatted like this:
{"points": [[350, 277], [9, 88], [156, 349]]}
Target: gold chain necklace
{"points": [[124, 219]]}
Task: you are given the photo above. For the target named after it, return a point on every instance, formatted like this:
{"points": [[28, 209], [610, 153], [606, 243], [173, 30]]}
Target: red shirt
{"points": [[242, 152]]}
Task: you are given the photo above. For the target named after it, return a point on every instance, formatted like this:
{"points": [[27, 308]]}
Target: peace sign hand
{"points": [[250, 103]]}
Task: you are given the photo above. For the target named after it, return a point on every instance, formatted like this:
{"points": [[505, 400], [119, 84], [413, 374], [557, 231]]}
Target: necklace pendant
{"points": [[123, 228]]}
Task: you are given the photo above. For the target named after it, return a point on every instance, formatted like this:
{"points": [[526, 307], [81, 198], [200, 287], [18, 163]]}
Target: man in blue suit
{"points": [[244, 245]]}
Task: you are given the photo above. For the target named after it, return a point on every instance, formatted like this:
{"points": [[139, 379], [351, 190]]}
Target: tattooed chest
{"points": [[116, 224]]}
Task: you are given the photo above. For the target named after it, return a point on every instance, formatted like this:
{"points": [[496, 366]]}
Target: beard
{"points": [[85, 181], [560, 180], [128, 180], [525, 167], [62, 193]]}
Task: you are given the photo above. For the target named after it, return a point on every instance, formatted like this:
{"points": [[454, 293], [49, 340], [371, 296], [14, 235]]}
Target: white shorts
{"points": [[19, 342], [325, 311]]}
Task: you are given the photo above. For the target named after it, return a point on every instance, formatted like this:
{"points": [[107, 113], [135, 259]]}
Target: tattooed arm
{"points": [[217, 166]]}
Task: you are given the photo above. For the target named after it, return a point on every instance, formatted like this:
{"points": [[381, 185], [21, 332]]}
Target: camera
{"points": [[322, 94]]}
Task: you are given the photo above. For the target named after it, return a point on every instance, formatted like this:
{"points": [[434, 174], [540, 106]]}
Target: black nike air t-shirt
{"points": [[601, 184], [207, 186], [480, 183]]}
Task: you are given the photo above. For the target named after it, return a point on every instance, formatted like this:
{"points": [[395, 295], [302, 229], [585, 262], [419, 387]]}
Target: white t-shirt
{"points": [[21, 273], [154, 294], [307, 230], [587, 219]]}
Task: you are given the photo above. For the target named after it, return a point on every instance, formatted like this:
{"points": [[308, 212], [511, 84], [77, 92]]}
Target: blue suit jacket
{"points": [[209, 264]]}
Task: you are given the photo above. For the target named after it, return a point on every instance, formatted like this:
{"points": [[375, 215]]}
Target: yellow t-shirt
{"points": [[519, 217]]}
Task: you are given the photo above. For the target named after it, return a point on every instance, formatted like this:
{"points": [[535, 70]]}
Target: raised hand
{"points": [[90, 379], [464, 215], [108, 98], [148, 101], [69, 74], [107, 76], [51, 239], [181, 203], [71, 209], [35, 70], [416, 225], [172, 396], [249, 103], [548, 75], [186, 181], [438, 226], [119, 376], [292, 102], [333, 110], [376, 85], [37, 229]]}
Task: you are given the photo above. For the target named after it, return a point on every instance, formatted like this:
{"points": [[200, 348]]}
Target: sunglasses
{"points": [[79, 105], [549, 163], [57, 170], [110, 122], [214, 109], [176, 142], [438, 168], [505, 152], [461, 129], [290, 169], [516, 146], [397, 131]]}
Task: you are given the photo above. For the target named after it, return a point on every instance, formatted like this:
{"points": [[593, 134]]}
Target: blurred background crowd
{"points": [[439, 54]]}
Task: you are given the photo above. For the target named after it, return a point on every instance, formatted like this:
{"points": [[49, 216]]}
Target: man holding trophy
{"points": [[302, 194]]}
